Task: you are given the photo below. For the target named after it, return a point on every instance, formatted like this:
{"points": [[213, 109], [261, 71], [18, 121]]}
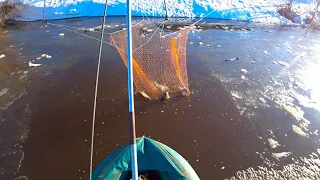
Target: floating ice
{"points": [[149, 30], [283, 63], [2, 56], [266, 52], [200, 43], [281, 155], [243, 77], [298, 131], [244, 71], [4, 91], [273, 143], [44, 56], [236, 58], [33, 64], [61, 34], [274, 62], [263, 100], [236, 95]]}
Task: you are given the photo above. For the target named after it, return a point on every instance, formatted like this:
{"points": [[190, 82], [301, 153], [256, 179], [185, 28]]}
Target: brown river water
{"points": [[252, 117]]}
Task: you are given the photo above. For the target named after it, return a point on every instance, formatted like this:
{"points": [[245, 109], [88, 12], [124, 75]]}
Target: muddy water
{"points": [[222, 129]]}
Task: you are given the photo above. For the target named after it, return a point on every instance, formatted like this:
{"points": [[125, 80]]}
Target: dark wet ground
{"points": [[221, 129]]}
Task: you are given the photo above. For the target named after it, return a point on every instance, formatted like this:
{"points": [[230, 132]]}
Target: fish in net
{"points": [[159, 60]]}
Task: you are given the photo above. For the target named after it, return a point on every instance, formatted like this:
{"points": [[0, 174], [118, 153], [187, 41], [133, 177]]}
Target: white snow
{"points": [[248, 10], [2, 56]]}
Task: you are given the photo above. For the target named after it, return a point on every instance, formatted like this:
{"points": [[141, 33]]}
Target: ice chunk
{"points": [[283, 63], [281, 155], [266, 52], [236, 95], [274, 62], [298, 131], [44, 56], [232, 59], [2, 56], [4, 91], [263, 100], [61, 34], [149, 30], [273, 143], [200, 43], [244, 71], [243, 77], [33, 64], [253, 62]]}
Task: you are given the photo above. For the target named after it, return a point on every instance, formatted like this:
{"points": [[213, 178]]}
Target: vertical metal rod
{"points": [[96, 88], [165, 7], [43, 11], [133, 146]]}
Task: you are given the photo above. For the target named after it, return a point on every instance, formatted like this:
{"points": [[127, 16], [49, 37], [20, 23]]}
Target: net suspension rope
{"points": [[68, 28]]}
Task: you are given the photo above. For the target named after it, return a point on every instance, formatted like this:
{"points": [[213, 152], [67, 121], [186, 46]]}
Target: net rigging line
{"points": [[161, 27]]}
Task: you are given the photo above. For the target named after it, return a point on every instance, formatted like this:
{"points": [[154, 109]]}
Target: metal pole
{"points": [[133, 146], [165, 7], [96, 87]]}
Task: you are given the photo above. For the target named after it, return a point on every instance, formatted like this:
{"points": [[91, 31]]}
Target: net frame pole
{"points": [[165, 7], [133, 146]]}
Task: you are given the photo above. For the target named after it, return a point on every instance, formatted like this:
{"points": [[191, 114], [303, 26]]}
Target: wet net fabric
{"points": [[159, 61]]}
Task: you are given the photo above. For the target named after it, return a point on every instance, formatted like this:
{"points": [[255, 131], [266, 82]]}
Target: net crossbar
{"points": [[159, 62]]}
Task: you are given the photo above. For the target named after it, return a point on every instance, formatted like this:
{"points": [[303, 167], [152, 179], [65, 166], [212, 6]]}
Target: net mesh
{"points": [[159, 62]]}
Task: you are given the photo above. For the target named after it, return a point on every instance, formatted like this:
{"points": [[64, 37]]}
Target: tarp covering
{"points": [[152, 155]]}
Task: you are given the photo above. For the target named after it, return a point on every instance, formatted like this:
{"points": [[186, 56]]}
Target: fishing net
{"points": [[159, 60]]}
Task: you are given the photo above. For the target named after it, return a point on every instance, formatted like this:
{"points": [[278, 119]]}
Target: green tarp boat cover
{"points": [[152, 155]]}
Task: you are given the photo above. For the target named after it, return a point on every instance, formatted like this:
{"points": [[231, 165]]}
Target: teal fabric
{"points": [[152, 155]]}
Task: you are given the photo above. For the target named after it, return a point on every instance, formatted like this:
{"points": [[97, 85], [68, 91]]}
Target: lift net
{"points": [[159, 62]]}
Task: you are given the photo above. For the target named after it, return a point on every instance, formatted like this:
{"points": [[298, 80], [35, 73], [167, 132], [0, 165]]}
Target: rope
{"points": [[190, 24], [96, 89], [85, 36], [148, 39]]}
